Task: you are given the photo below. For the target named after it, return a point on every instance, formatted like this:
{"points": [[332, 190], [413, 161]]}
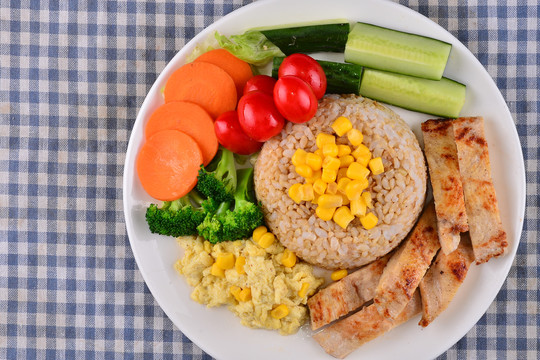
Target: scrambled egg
{"points": [[272, 286]]}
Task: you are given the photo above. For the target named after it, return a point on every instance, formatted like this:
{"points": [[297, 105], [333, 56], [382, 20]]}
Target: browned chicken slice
{"points": [[443, 279], [345, 295], [407, 266], [347, 335], [487, 234], [441, 155]]}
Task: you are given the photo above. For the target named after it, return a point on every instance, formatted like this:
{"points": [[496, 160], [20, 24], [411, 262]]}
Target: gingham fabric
{"points": [[73, 75]]}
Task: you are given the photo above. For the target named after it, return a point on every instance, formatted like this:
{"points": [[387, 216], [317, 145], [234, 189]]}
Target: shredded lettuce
{"points": [[210, 43], [252, 47]]}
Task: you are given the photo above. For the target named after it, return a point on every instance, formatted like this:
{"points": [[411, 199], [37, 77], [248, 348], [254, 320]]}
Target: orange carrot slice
{"points": [[168, 164], [204, 84], [189, 118], [238, 69]]}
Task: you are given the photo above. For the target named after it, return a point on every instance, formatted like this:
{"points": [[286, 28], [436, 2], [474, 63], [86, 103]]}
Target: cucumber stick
{"points": [[340, 78], [309, 38], [443, 97], [391, 50]]}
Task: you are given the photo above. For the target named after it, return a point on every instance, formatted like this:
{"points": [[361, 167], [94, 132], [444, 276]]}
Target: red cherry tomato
{"points": [[263, 83], [230, 134], [294, 99], [307, 69], [258, 116]]}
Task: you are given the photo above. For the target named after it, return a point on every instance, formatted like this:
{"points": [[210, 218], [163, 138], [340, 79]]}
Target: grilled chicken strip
{"points": [[407, 266], [443, 280], [442, 158], [487, 234], [345, 295], [346, 335]]}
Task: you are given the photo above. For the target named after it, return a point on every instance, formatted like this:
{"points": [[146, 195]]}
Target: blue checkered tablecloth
{"points": [[73, 75]]}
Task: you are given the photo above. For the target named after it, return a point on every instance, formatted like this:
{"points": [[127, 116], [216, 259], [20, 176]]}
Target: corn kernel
{"points": [[323, 138], [303, 290], [376, 166], [330, 150], [369, 221], [358, 207], [304, 171], [328, 175], [355, 137], [341, 173], [342, 125], [257, 233], [366, 195], [314, 161], [346, 200], [332, 188], [244, 295], [225, 261], [319, 186], [361, 153], [342, 184], [294, 193], [239, 265], [343, 216], [217, 271], [354, 189], [345, 161], [315, 199], [339, 274], [318, 152], [316, 175], [329, 201], [357, 171], [325, 214], [235, 291], [306, 192], [288, 259], [266, 240], [331, 163], [299, 157], [364, 160], [343, 150], [279, 312]]}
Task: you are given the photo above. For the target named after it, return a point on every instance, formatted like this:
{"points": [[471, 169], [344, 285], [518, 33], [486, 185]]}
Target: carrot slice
{"points": [[189, 118], [168, 164], [204, 84], [238, 69]]}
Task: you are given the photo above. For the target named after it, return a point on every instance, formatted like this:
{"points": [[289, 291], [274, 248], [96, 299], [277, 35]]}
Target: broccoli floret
{"points": [[218, 180], [175, 218], [211, 228]]}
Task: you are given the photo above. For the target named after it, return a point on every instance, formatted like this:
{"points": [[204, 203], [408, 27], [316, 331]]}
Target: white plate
{"points": [[217, 331]]}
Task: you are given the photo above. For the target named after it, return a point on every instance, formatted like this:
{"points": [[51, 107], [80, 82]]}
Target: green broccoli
{"points": [[218, 180], [211, 228]]}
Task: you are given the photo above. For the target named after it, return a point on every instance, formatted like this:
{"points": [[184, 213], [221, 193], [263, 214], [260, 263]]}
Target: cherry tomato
{"points": [[230, 134], [263, 83], [258, 116], [294, 99], [307, 69]]}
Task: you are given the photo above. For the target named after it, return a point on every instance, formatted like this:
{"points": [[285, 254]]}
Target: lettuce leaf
{"points": [[252, 47]]}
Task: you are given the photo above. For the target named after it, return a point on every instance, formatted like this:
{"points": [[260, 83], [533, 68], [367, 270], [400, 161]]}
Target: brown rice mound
{"points": [[398, 193]]}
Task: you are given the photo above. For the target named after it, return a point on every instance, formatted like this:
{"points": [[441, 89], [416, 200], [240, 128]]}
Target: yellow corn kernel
{"points": [[315, 199], [339, 274], [217, 271], [304, 171], [332, 188], [258, 232], [341, 173], [266, 240], [323, 138], [342, 184], [318, 152], [345, 161], [306, 192], [225, 261], [328, 175], [239, 265], [358, 207], [343, 150], [279, 312], [329, 201], [369, 221], [319, 187], [325, 214], [244, 295], [361, 151], [354, 189], [376, 166], [357, 171], [299, 157], [346, 200], [331, 163], [235, 291], [294, 193], [288, 259], [314, 161], [330, 150], [343, 216], [303, 290], [366, 195], [355, 137], [342, 125], [316, 175]]}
